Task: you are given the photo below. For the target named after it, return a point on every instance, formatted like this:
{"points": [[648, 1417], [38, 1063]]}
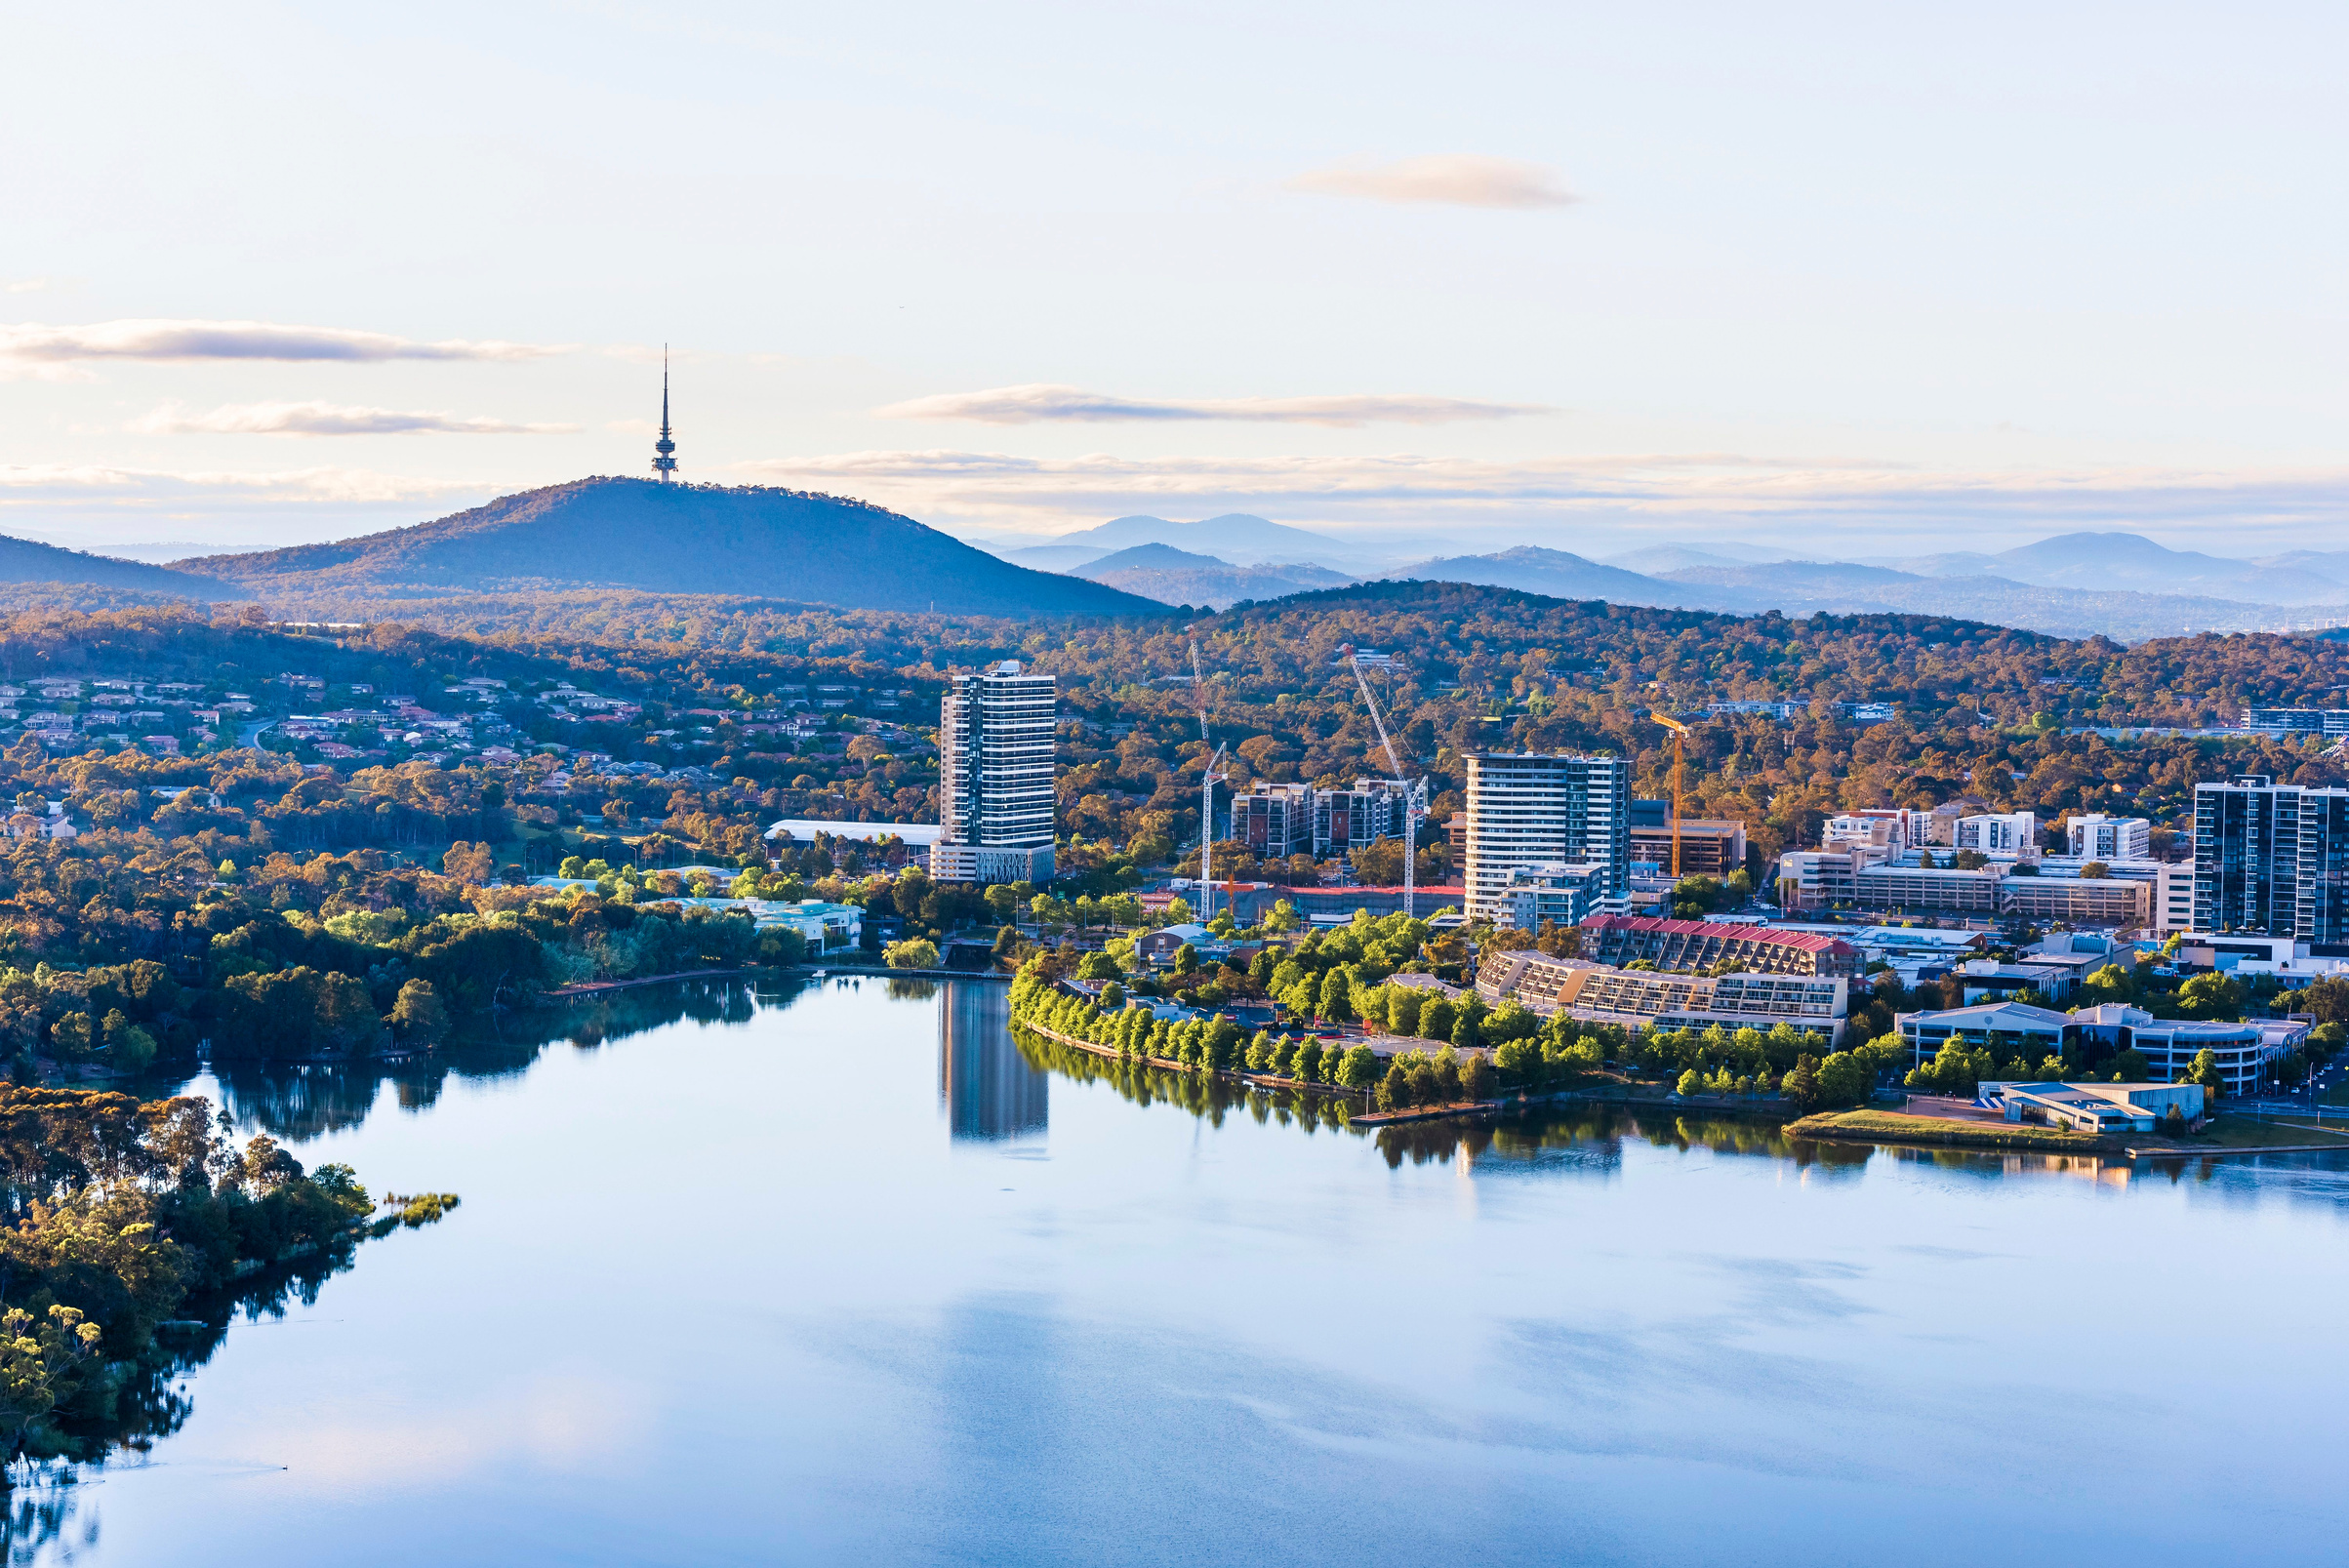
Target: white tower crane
{"points": [[1210, 776], [1415, 794]]}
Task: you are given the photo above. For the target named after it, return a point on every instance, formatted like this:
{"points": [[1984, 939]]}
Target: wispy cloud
{"points": [[1797, 501], [25, 285], [112, 485], [32, 342], [327, 418], [1034, 403], [1457, 180]]}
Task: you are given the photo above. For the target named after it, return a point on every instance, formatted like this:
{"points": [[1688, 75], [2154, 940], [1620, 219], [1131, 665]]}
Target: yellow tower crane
{"points": [[1680, 733]]}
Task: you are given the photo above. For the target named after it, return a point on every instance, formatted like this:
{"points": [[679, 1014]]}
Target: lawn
{"points": [[1892, 1127]]}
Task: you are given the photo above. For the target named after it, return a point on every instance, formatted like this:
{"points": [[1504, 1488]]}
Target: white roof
{"points": [[805, 827]]}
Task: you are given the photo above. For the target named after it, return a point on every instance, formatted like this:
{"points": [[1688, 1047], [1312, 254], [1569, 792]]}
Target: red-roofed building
{"points": [[1693, 944]]}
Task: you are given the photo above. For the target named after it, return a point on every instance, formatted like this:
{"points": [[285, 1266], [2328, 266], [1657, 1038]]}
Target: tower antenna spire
{"points": [[665, 462]]}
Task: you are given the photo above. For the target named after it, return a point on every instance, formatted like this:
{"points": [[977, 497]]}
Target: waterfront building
{"points": [[1538, 809], [1689, 945], [1597, 993], [2093, 1108], [2009, 1029], [995, 777]]}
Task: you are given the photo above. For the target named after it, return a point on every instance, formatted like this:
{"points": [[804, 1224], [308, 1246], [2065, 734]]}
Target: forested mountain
{"points": [[1177, 576], [638, 534], [24, 560]]}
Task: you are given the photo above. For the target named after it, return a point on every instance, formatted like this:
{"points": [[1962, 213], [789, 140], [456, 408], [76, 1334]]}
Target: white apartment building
{"points": [[2098, 837], [1878, 835], [1533, 809], [2010, 835], [995, 774]]}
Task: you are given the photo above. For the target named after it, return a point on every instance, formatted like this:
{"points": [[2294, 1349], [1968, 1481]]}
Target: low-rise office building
{"points": [[2095, 1108], [2009, 1029]]}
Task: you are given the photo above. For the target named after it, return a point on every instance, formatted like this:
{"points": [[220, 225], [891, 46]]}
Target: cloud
{"points": [[106, 484], [24, 285], [31, 343], [327, 418], [1457, 180], [1825, 502], [1030, 404]]}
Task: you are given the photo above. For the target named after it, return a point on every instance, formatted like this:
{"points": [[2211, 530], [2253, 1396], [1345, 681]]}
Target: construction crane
{"points": [[1209, 776], [1415, 794], [1680, 733]]}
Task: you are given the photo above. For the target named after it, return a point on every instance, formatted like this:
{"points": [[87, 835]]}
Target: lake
{"points": [[834, 1274]]}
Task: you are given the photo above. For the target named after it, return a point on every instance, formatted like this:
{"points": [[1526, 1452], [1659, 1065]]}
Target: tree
{"points": [[914, 952], [1185, 959], [1308, 1063], [2204, 1070], [417, 1016], [1112, 997], [2095, 872], [1845, 1078], [1436, 1018], [1800, 1087], [1359, 1067], [468, 862], [40, 1367], [2174, 1121], [1476, 1078], [1691, 1083], [1465, 1032], [1099, 966], [2131, 1067], [1395, 1089]]}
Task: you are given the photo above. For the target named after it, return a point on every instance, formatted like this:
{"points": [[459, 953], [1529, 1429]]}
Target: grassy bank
{"points": [[1892, 1127]]}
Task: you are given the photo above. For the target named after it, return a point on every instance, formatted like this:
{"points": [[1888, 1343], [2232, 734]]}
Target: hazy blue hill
{"points": [[1234, 537], [2133, 562], [679, 539], [1560, 575], [24, 560], [1179, 576]]}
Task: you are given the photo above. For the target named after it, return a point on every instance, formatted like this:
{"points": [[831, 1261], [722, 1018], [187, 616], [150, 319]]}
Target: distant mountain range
{"points": [[2120, 586], [1177, 576], [24, 560], [642, 535]]}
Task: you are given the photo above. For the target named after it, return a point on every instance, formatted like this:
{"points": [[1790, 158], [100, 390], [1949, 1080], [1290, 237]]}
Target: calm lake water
{"points": [[835, 1275]]}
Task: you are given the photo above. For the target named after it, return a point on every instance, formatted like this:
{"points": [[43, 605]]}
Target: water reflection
{"points": [[990, 1090]]}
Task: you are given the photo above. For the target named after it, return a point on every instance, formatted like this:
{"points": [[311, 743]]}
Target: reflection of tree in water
{"points": [[1198, 1093], [150, 1402], [306, 1100], [1601, 1131]]}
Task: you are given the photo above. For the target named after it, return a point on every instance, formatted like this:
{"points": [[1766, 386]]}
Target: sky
{"points": [[1843, 280]]}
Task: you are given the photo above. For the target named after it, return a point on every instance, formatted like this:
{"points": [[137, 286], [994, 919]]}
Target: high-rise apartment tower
{"points": [[1528, 809], [995, 777], [2271, 859]]}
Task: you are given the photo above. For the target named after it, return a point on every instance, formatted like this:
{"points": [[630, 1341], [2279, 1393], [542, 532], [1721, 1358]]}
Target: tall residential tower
{"points": [[1528, 809], [995, 777]]}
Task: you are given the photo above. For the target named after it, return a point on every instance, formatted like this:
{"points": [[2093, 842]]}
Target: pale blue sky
{"points": [[1843, 278]]}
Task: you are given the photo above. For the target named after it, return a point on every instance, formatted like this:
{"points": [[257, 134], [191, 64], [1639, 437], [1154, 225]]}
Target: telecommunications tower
{"points": [[665, 462]]}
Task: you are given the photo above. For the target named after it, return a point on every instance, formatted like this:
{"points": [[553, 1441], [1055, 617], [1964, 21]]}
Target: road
{"points": [[248, 734]]}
